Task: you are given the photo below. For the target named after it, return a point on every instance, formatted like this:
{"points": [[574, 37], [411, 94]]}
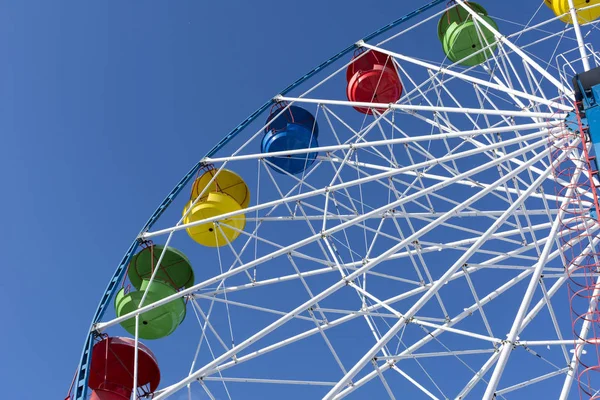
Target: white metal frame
{"points": [[514, 128]]}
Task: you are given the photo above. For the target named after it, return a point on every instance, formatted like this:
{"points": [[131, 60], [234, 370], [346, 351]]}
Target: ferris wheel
{"points": [[417, 217]]}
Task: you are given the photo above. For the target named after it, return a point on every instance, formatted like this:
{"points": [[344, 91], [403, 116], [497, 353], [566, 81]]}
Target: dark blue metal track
{"points": [[80, 389]]}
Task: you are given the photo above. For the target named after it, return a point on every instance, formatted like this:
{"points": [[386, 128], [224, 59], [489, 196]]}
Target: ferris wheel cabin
{"points": [[561, 8], [111, 369], [372, 78], [175, 268], [290, 128], [174, 273], [157, 322], [463, 39], [213, 194]]}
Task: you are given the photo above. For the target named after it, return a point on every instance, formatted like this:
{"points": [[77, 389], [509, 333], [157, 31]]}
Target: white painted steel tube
{"points": [[579, 36], [412, 108], [361, 181], [376, 143]]}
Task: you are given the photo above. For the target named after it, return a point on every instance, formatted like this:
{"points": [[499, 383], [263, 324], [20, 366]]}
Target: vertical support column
{"points": [[580, 44]]}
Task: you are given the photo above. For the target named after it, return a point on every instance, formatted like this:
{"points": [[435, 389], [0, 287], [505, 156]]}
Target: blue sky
{"points": [[103, 107]]}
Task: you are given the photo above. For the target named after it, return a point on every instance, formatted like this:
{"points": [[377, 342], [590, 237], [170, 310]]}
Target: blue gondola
{"points": [[296, 128]]}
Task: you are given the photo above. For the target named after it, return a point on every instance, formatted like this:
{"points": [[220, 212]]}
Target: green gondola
{"points": [[174, 273], [157, 322], [175, 268], [463, 39]]}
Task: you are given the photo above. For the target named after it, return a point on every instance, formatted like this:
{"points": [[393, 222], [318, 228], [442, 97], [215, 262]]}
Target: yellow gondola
{"points": [[560, 7], [227, 182], [225, 194]]}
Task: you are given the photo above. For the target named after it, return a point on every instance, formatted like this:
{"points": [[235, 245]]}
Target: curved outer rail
{"points": [[81, 376]]}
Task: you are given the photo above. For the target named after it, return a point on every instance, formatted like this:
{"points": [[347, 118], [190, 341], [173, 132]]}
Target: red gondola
{"points": [[111, 370], [372, 78]]}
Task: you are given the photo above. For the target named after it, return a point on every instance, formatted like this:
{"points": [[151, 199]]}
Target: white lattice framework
{"points": [[420, 257]]}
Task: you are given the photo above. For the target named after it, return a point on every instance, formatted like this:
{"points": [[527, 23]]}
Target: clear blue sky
{"points": [[104, 105]]}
